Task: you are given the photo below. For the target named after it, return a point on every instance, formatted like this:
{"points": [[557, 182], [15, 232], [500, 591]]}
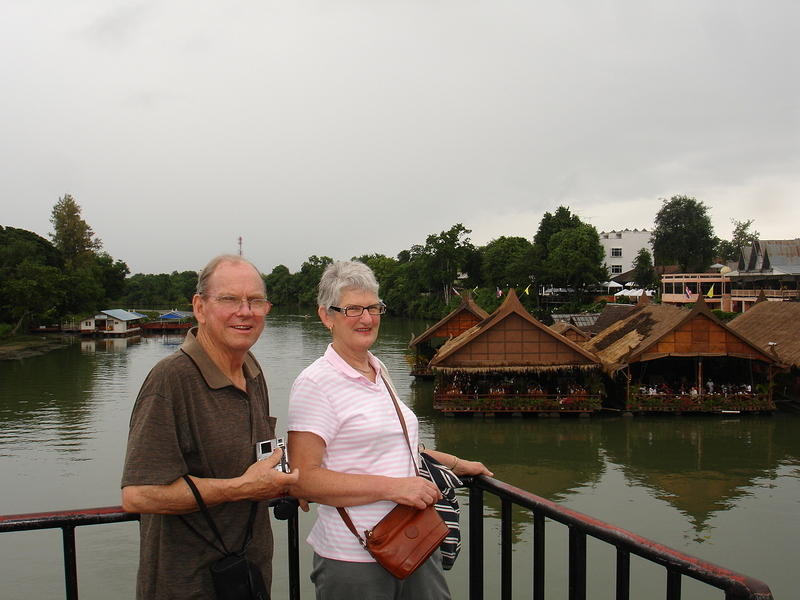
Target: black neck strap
{"points": [[213, 526]]}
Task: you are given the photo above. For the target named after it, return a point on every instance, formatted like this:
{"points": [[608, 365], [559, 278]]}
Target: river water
{"points": [[725, 489]]}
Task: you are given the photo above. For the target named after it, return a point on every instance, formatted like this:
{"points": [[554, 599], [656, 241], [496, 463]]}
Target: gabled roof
{"points": [[654, 331], [777, 322], [511, 339], [121, 315], [464, 316], [769, 257]]}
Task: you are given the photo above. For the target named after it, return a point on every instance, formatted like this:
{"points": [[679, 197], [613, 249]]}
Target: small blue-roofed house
{"points": [[115, 321]]}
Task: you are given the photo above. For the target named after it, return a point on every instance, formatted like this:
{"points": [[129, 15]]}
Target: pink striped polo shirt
{"points": [[362, 434]]}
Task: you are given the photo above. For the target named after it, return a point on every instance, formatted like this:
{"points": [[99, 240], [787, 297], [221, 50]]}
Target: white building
{"points": [[621, 248]]}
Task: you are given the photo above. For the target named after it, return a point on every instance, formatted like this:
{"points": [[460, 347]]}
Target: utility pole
{"points": [[240, 245]]}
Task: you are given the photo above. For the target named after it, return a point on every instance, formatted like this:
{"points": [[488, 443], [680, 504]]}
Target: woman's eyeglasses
{"points": [[353, 310]]}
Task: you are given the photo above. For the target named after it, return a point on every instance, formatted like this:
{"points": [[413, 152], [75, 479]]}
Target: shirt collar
{"points": [[215, 379], [341, 365]]}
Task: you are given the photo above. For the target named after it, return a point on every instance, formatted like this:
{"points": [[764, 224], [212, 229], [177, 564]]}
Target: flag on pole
{"points": [[499, 292], [527, 290], [710, 293]]}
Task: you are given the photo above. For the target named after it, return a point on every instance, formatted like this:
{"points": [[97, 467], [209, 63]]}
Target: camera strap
{"points": [[213, 526]]}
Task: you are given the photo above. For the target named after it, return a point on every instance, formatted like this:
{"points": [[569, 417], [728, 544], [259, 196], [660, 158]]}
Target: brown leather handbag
{"points": [[407, 536]]}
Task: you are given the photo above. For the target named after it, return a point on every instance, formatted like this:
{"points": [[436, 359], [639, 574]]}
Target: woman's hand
{"points": [[471, 467], [413, 491]]}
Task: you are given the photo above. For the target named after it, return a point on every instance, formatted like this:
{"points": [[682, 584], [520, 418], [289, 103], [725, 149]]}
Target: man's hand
{"points": [[262, 481]]}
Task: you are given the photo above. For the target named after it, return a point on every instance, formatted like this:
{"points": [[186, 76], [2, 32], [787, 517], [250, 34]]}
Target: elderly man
{"points": [[200, 413]]}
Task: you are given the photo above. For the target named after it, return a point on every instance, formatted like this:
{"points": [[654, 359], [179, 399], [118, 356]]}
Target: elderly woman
{"points": [[345, 437]]}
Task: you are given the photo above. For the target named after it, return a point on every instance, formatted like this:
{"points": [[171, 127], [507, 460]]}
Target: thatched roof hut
{"points": [[511, 339], [655, 331], [465, 315], [774, 327]]}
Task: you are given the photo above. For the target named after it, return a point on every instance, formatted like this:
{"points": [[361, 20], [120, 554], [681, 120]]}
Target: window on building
{"points": [[616, 252], [616, 269]]}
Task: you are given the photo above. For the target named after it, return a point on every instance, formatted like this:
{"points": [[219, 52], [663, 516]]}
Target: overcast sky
{"points": [[345, 127]]}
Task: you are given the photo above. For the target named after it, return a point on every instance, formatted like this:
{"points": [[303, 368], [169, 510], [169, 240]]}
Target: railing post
{"points": [[475, 543], [538, 556], [623, 574], [293, 539], [70, 562], [577, 564], [505, 550], [673, 585]]}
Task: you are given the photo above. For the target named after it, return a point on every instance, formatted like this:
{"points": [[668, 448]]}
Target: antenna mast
{"points": [[240, 245]]}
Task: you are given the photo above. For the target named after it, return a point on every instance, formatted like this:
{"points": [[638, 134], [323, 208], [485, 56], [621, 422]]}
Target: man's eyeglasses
{"points": [[259, 306], [354, 310]]}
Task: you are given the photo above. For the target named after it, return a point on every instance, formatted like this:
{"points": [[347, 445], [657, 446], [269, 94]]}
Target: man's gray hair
{"points": [[344, 275], [205, 275]]}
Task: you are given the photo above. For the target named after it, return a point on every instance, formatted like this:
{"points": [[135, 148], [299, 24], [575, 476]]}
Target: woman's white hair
{"points": [[344, 275]]}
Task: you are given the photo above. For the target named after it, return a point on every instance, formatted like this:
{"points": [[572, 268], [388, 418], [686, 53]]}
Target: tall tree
{"points": [[742, 236], [71, 234], [576, 257], [683, 234], [551, 224], [504, 262], [444, 256], [643, 272]]}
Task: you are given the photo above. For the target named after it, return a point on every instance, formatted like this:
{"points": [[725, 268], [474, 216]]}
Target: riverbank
{"points": [[27, 346]]}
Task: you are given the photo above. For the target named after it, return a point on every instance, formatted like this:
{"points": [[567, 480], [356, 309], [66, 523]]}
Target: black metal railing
{"points": [[69, 520], [579, 528]]}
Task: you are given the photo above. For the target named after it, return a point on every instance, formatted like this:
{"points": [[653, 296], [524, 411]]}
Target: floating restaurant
{"points": [[114, 322], [663, 358], [465, 316], [775, 328], [512, 363]]}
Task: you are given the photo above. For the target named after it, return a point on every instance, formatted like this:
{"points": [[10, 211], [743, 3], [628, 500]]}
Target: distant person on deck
{"points": [[200, 413]]}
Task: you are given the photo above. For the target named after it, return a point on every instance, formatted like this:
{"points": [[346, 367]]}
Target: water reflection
{"points": [[699, 465]]}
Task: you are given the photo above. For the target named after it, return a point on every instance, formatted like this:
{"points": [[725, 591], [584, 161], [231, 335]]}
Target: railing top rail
{"points": [[64, 518], [741, 585]]}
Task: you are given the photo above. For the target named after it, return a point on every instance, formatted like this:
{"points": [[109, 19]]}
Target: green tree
{"points": [[575, 258], [443, 257], [551, 224], [683, 234], [308, 279], [742, 236], [281, 286], [644, 273], [31, 278], [111, 275], [71, 234], [505, 262]]}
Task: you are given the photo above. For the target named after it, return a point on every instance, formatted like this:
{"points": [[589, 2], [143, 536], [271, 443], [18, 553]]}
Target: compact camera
{"points": [[267, 447]]}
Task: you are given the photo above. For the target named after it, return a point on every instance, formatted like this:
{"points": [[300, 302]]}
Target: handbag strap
{"points": [[341, 510], [213, 526]]}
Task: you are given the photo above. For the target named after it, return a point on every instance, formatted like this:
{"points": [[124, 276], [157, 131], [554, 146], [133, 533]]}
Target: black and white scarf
{"points": [[447, 507]]}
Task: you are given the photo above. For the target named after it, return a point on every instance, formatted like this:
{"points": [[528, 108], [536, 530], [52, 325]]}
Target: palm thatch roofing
{"points": [[570, 331], [511, 339], [465, 315], [611, 313], [772, 322], [655, 331]]}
